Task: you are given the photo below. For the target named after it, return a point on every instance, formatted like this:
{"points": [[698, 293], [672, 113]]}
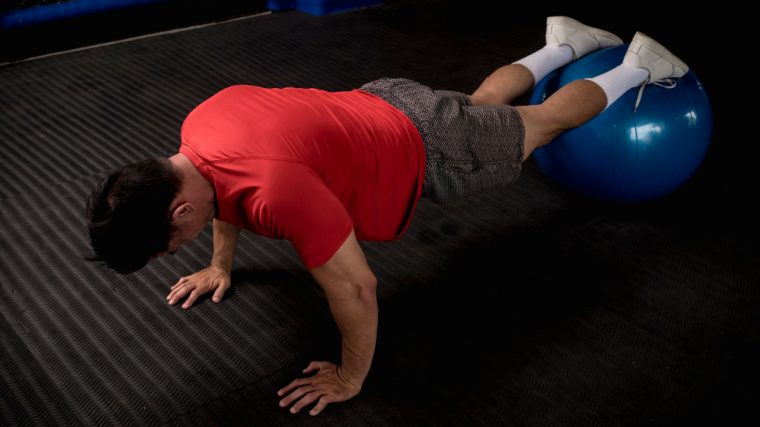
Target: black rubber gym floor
{"points": [[527, 306]]}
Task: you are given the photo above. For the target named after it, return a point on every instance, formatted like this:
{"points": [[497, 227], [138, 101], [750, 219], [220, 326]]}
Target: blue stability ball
{"points": [[626, 156]]}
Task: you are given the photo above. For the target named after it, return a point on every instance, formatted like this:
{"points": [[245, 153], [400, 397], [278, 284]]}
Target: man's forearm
{"points": [[351, 290], [225, 241], [356, 318]]}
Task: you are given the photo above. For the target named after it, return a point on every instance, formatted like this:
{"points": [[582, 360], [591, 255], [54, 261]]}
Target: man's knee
{"points": [[541, 126]]}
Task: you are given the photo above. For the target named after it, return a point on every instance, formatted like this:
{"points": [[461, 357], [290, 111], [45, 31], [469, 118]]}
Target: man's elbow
{"points": [[366, 287]]}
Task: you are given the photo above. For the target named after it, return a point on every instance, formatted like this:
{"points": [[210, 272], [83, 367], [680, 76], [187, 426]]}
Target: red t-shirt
{"points": [[308, 165]]}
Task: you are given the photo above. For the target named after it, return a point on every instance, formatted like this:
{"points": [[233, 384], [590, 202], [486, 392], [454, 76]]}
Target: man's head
{"points": [[130, 213]]}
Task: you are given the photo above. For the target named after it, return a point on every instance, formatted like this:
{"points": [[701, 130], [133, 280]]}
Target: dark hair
{"points": [[128, 212]]}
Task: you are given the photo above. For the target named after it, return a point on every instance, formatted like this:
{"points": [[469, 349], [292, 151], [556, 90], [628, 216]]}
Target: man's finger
{"points": [[308, 399], [178, 293], [219, 293], [323, 401], [295, 395], [191, 299], [173, 292], [313, 366], [179, 282], [294, 384]]}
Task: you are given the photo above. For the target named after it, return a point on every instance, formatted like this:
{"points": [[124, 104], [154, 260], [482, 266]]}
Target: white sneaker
{"points": [[645, 52], [561, 30], [663, 66]]}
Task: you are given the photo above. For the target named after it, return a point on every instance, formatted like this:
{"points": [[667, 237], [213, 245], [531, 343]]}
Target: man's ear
{"points": [[182, 212]]}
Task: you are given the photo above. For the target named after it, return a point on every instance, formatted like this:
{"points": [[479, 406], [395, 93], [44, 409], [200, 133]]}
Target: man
{"points": [[326, 170]]}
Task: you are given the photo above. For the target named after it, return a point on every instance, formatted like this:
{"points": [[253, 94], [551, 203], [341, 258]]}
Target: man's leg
{"points": [[645, 62], [572, 105], [566, 40], [504, 86]]}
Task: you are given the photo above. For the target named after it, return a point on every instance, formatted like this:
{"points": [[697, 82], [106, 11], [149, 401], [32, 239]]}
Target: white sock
{"points": [[618, 80], [546, 60]]}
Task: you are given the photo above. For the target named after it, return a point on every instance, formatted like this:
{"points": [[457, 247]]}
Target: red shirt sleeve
{"points": [[296, 206]]}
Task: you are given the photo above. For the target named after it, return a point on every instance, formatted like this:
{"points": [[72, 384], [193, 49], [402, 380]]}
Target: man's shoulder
{"points": [[271, 178]]}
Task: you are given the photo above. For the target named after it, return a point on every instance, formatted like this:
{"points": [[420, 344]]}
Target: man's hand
{"points": [[214, 278], [211, 278], [326, 386]]}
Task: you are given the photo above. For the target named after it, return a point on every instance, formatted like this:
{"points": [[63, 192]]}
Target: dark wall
{"points": [[88, 29]]}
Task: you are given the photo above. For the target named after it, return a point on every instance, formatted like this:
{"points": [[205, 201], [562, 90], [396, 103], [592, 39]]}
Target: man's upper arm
{"points": [[346, 269], [298, 206]]}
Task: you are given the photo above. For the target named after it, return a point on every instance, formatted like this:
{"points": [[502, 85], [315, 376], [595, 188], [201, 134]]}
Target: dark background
{"points": [[528, 306]]}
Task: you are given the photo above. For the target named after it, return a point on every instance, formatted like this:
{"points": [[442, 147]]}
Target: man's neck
{"points": [[194, 185]]}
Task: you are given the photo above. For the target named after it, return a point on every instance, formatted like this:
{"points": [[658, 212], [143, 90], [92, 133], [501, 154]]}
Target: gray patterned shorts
{"points": [[468, 149]]}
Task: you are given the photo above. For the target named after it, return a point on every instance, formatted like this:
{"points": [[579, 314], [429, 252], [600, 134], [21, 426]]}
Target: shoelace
{"points": [[666, 83]]}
